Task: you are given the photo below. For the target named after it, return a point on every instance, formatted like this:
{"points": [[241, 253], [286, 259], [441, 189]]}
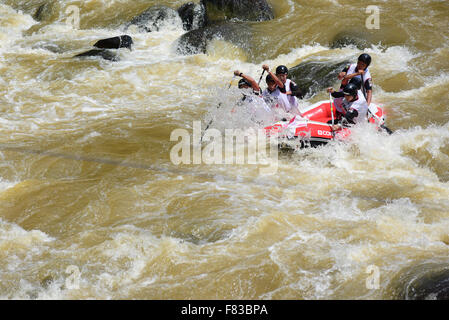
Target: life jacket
{"points": [[360, 105], [272, 97], [352, 70], [289, 102]]}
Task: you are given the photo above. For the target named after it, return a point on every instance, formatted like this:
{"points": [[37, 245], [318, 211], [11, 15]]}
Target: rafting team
{"points": [[351, 100]]}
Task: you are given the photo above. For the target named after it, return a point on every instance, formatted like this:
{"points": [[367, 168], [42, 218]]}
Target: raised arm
{"points": [[276, 79], [335, 94], [250, 80]]}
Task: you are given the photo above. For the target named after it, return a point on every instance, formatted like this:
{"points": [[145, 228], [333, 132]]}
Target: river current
{"points": [[93, 207]]}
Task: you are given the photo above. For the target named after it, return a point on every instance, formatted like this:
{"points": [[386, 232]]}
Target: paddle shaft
{"points": [[364, 94], [332, 109], [260, 79]]}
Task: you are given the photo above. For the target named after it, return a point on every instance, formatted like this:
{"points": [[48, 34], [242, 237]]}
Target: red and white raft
{"points": [[314, 126]]}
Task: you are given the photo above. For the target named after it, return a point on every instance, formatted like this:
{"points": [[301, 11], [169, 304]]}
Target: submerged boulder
{"points": [[105, 54], [43, 11], [359, 39], [428, 281], [196, 41], [155, 18], [193, 15], [123, 41], [314, 76], [242, 10]]}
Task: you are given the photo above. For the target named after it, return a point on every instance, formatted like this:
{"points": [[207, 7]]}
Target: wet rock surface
{"points": [[196, 41], [123, 41], [104, 53], [359, 39], [428, 281], [193, 15], [242, 10], [155, 18], [314, 76]]}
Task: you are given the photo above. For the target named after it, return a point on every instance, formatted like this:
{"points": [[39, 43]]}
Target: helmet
{"points": [[281, 70], [244, 82], [350, 90], [357, 81], [269, 78], [366, 58]]}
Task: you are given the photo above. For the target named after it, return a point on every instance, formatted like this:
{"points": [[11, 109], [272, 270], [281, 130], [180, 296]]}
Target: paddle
{"points": [[364, 94], [258, 83], [332, 114], [332, 109], [386, 129], [230, 82]]}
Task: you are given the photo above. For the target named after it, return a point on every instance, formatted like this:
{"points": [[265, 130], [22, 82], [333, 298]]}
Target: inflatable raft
{"points": [[313, 126]]}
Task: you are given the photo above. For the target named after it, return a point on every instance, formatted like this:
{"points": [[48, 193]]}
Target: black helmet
{"points": [[357, 81], [269, 78], [366, 58], [350, 90], [281, 70], [244, 82]]}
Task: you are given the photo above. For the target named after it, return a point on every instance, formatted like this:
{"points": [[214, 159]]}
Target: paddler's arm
{"points": [[350, 76], [368, 85], [335, 94], [369, 96], [276, 79], [253, 82], [342, 74]]}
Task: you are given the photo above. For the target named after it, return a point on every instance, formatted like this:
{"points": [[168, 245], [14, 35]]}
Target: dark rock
{"points": [[428, 281], [193, 42], [123, 41], [46, 10], [196, 41], [193, 15], [105, 54], [242, 10], [314, 76], [359, 39], [154, 18], [39, 12]]}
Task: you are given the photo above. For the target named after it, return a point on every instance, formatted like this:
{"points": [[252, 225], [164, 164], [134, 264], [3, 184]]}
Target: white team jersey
{"points": [[272, 97], [352, 70], [277, 99], [360, 105], [289, 101]]}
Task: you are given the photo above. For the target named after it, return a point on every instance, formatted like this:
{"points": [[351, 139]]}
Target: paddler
{"points": [[282, 89], [361, 71], [272, 92], [353, 108], [257, 106], [339, 96], [248, 82]]}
